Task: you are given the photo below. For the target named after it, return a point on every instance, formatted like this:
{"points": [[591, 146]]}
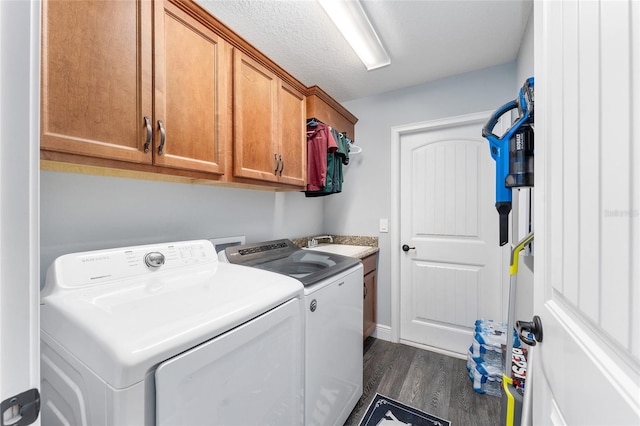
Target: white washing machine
{"points": [[333, 293], [165, 334]]}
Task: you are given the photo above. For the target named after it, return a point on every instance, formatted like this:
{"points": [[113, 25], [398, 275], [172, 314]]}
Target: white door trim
{"points": [[396, 134], [19, 197]]}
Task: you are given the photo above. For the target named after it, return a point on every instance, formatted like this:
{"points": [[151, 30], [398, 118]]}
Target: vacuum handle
{"points": [[528, 96], [487, 130], [515, 252]]}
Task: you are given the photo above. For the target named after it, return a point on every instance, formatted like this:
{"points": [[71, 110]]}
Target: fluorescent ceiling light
{"points": [[356, 28]]}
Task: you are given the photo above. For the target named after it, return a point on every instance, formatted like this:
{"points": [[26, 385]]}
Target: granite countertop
{"points": [[370, 242]]}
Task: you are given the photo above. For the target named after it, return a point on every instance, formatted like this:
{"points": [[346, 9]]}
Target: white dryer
{"points": [[165, 334]]}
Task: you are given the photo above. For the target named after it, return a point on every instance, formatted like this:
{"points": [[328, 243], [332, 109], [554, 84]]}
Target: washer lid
{"points": [[284, 257], [121, 328]]}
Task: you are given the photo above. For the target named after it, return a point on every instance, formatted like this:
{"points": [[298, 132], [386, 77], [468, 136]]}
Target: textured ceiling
{"points": [[426, 40]]}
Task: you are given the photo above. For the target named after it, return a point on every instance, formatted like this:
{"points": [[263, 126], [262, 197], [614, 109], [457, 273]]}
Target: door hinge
{"points": [[20, 410]]}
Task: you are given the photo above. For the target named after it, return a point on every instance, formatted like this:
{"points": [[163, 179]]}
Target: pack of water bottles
{"points": [[485, 359]]}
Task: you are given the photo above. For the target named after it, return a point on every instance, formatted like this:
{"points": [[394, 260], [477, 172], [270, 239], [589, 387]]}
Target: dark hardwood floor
{"points": [[434, 383]]}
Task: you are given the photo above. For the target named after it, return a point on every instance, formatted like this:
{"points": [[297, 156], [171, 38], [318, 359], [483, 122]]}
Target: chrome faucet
{"points": [[314, 240]]}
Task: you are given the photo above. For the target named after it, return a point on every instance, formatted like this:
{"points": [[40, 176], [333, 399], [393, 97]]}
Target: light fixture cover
{"points": [[353, 23]]}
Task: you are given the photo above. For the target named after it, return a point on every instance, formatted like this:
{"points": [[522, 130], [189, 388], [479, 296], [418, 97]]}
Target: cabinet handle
{"points": [[275, 157], [281, 165], [147, 123], [365, 291], [163, 137]]}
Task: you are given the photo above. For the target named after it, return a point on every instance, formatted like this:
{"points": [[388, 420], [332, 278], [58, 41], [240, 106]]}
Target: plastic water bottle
{"points": [[487, 380], [489, 339], [471, 362], [489, 354]]}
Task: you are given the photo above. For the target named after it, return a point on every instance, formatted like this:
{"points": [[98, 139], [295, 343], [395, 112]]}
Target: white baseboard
{"points": [[382, 332], [434, 349]]}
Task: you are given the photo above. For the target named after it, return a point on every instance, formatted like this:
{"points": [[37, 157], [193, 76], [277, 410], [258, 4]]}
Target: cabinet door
{"points": [[255, 119], [293, 140], [191, 92], [96, 78], [369, 305]]}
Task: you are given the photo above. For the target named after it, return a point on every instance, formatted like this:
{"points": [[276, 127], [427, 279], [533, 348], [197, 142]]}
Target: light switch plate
{"points": [[384, 225]]}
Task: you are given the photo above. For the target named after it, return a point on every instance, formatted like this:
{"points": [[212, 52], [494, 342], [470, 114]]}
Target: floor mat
{"points": [[384, 411]]}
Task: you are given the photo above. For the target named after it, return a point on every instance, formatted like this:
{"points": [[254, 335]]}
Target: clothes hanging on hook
{"points": [[313, 122], [354, 149], [343, 147], [331, 161], [327, 151], [320, 143]]}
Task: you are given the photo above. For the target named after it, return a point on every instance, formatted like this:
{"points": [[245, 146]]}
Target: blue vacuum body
{"points": [[512, 152]]}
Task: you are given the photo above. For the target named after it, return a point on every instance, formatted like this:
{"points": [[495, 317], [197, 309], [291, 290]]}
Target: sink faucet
{"points": [[314, 240]]}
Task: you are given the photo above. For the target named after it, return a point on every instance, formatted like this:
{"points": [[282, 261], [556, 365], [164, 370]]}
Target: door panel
{"points": [[293, 136], [369, 304], [94, 101], [454, 274], [450, 210], [587, 282], [190, 92], [255, 119], [446, 293]]}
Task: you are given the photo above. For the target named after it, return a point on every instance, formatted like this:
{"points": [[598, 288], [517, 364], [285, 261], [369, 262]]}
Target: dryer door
{"points": [[249, 375]]}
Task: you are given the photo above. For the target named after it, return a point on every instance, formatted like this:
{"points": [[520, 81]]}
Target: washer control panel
{"points": [[155, 259], [90, 268]]}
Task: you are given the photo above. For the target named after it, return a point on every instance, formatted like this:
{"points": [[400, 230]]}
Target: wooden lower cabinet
{"points": [[369, 305]]}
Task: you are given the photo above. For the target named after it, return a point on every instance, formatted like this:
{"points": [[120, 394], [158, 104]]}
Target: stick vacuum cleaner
{"points": [[513, 153], [512, 399]]}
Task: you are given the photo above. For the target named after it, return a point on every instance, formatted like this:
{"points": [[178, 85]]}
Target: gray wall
{"points": [[367, 189], [525, 55], [85, 212]]}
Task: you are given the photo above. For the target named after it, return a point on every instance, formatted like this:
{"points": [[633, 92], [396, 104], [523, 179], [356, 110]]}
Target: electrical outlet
{"points": [[384, 225]]}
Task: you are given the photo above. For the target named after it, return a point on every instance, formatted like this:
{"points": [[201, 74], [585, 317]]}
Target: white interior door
{"points": [[586, 371], [19, 244], [453, 273]]}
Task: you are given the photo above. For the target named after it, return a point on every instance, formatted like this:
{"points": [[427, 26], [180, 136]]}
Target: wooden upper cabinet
{"points": [[269, 125], [255, 119], [96, 78], [326, 109], [101, 98], [293, 138], [163, 87], [192, 65]]}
